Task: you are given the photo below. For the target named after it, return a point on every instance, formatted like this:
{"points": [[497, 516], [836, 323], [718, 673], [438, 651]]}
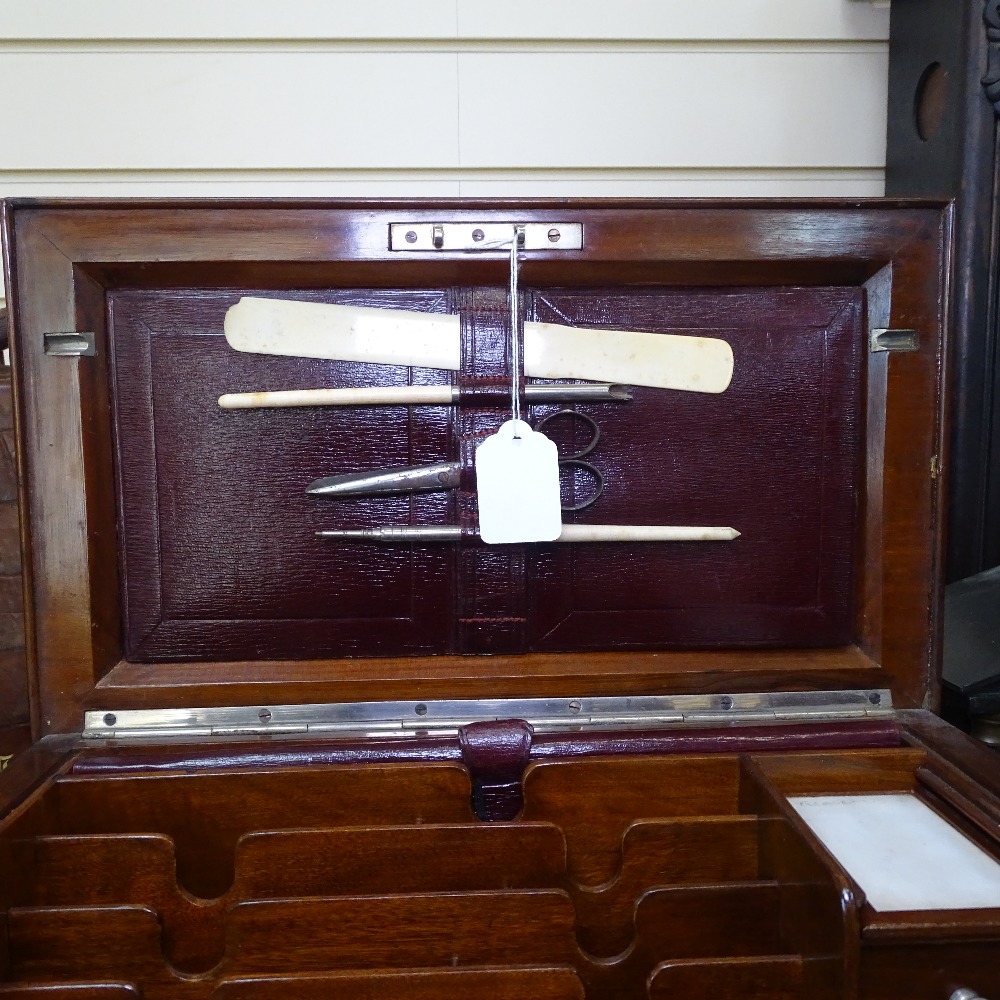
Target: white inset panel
{"points": [[750, 19], [902, 853], [705, 108], [193, 108], [196, 19], [224, 19]]}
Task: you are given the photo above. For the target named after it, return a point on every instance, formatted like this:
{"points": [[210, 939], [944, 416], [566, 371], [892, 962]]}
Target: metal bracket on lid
{"points": [[444, 718], [70, 345], [893, 340], [463, 236]]}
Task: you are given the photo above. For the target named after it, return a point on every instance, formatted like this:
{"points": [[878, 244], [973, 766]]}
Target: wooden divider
{"points": [[374, 860], [660, 853], [521, 927], [70, 991], [206, 814], [128, 869], [553, 983], [96, 944], [335, 880], [595, 801], [772, 977]]}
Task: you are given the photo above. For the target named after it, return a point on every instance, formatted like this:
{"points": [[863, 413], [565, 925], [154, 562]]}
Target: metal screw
{"points": [[420, 709], [554, 235], [478, 235], [411, 237], [575, 706], [264, 715], [725, 702], [874, 697], [110, 719]]}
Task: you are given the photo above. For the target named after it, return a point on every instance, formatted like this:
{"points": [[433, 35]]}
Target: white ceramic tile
{"points": [[902, 854]]}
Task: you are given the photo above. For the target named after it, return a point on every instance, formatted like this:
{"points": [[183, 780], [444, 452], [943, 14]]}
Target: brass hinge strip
{"points": [[444, 718]]}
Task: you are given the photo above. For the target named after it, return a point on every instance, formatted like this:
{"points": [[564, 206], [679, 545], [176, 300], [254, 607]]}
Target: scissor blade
{"points": [[428, 340], [410, 479]]}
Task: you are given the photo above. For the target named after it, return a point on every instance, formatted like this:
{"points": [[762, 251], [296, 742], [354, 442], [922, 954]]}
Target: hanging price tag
{"points": [[517, 486]]}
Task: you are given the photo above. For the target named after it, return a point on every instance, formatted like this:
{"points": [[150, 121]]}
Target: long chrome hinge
{"points": [[443, 236], [443, 718]]}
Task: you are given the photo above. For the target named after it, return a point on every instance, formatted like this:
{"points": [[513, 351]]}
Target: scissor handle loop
{"points": [[578, 463], [589, 421]]}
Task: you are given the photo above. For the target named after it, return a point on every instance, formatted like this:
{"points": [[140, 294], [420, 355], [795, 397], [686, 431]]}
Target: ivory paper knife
{"points": [[401, 337]]}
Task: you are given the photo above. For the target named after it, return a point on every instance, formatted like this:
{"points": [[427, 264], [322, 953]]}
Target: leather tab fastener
{"points": [[496, 754]]}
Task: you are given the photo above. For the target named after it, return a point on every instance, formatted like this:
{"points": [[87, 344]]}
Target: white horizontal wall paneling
{"points": [[750, 20], [659, 98], [180, 109], [831, 20], [687, 108]]}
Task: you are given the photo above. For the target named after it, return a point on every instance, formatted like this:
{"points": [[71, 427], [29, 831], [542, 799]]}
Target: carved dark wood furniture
{"points": [[588, 786], [944, 98]]}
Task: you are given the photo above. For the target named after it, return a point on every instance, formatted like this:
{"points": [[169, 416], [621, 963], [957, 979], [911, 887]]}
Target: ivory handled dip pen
{"points": [[414, 395], [400, 534]]}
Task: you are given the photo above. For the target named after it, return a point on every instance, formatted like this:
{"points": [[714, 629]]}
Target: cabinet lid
{"points": [[171, 552]]}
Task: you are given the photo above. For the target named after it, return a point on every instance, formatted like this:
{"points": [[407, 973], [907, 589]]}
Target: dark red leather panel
{"points": [[775, 456], [217, 548], [218, 551]]}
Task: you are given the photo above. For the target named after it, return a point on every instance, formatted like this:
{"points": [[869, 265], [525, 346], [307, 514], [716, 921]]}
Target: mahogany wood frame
{"points": [[62, 258]]}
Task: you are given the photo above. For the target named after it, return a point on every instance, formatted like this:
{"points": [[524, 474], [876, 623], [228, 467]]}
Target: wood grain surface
{"points": [[776, 272]]}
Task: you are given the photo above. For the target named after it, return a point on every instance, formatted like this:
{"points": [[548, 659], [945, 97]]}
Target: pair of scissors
{"points": [[575, 460], [446, 475]]}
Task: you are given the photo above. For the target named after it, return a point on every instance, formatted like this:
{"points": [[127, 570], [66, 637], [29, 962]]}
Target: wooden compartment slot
{"points": [[556, 983], [595, 801], [101, 870], [92, 943], [709, 921], [773, 977], [206, 814], [521, 927], [69, 991], [352, 861], [662, 852]]}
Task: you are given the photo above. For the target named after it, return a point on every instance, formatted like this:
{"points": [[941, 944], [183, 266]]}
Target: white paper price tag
{"points": [[517, 485]]}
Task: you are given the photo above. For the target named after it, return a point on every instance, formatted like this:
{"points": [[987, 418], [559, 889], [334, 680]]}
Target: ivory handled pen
{"points": [[412, 395], [570, 533]]}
